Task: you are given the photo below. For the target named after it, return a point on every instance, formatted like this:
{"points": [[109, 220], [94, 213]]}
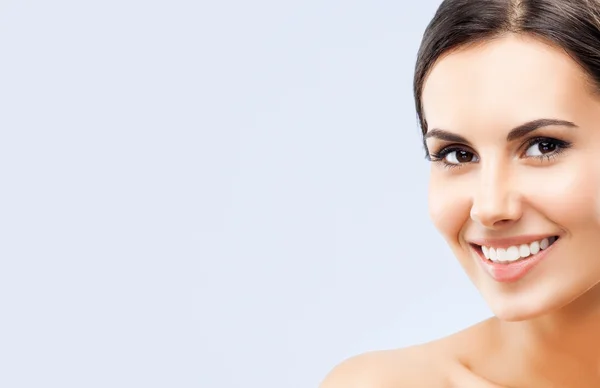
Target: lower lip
{"points": [[511, 272]]}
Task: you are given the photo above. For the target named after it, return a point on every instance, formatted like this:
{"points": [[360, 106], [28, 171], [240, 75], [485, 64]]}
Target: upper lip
{"points": [[509, 241]]}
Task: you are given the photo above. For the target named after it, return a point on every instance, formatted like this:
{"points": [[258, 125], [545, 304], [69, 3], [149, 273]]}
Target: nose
{"points": [[496, 199]]}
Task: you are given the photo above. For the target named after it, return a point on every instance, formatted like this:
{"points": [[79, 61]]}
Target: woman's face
{"points": [[514, 134]]}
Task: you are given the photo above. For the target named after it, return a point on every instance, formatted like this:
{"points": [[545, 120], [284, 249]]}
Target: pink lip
{"points": [[511, 272]]}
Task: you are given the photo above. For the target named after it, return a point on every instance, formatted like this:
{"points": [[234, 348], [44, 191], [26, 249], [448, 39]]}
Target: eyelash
{"points": [[561, 146]]}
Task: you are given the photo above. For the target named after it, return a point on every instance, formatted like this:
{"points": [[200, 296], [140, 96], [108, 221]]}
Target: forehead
{"points": [[504, 82]]}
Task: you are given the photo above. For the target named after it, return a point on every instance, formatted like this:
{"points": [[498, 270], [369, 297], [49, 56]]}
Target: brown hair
{"points": [[573, 25]]}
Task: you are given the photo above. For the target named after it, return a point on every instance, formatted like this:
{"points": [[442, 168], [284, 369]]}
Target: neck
{"points": [[568, 335]]}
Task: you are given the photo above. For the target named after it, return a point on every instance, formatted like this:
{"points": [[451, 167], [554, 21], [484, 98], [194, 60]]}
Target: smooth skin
{"points": [[546, 329]]}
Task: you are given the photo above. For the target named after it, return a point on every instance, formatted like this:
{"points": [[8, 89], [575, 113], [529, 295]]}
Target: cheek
{"points": [[449, 205], [569, 195]]}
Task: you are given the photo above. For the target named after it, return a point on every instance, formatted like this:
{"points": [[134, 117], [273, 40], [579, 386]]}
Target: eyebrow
{"points": [[515, 133]]}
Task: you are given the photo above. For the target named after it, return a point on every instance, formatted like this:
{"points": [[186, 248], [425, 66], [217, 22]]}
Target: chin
{"points": [[527, 306], [516, 315], [510, 313]]}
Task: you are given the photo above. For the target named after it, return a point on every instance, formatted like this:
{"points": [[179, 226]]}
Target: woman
{"points": [[508, 98]]}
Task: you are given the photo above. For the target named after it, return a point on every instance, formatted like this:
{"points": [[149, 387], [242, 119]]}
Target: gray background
{"points": [[213, 194]]}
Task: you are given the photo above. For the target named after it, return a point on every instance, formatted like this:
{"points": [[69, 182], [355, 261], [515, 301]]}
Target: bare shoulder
{"points": [[441, 363], [416, 366]]}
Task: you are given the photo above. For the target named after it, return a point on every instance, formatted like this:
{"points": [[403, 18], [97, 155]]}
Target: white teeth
{"points": [[524, 250], [534, 247], [514, 253], [486, 251]]}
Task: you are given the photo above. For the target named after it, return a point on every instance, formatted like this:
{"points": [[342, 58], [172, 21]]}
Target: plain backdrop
{"points": [[214, 193]]}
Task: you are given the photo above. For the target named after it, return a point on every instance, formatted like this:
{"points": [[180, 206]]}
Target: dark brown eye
{"points": [[546, 147], [464, 156], [542, 147], [460, 156]]}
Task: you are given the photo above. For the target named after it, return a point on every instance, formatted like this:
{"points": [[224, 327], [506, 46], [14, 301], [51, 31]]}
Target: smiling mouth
{"points": [[515, 253]]}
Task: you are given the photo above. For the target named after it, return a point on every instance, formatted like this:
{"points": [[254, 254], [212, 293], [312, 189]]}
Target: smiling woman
{"points": [[508, 98]]}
